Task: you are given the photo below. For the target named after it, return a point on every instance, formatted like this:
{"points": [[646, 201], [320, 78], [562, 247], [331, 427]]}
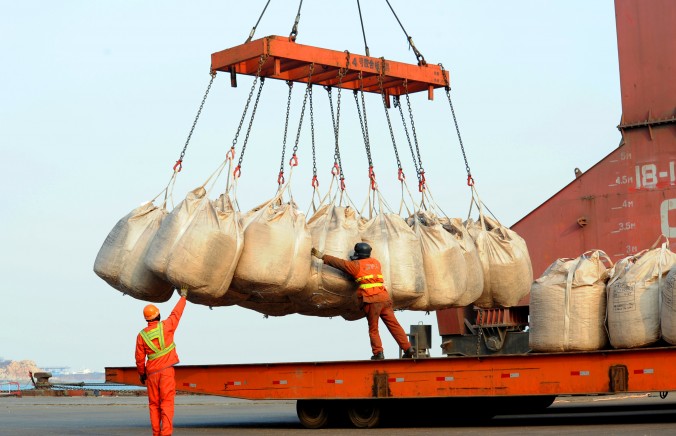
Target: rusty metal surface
{"points": [[646, 40], [627, 200]]}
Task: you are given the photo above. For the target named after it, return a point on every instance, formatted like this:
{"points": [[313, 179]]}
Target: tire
{"points": [[313, 413], [364, 414]]}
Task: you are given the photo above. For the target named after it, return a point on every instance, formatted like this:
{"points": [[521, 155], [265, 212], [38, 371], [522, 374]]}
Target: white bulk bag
{"points": [[668, 309], [506, 265], [329, 291], [634, 297], [398, 249], [275, 260], [443, 263], [170, 232], [475, 273], [568, 305], [120, 260], [206, 254]]}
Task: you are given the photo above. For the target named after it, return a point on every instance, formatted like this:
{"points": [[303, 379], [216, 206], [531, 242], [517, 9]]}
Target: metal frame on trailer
{"points": [[579, 373]]}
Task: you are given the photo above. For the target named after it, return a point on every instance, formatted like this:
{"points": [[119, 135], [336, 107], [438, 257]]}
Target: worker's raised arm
{"points": [[175, 316]]}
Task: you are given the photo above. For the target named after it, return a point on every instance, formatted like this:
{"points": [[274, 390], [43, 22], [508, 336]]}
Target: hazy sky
{"points": [[97, 99]]}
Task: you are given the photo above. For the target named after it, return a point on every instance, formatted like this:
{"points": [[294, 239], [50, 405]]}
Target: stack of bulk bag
{"points": [[398, 250], [568, 305], [198, 246], [275, 260], [668, 310], [506, 265], [329, 291], [443, 263], [634, 297], [120, 260], [473, 269]]}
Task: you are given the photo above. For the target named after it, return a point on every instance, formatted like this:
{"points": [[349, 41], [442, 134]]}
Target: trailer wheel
{"points": [[312, 413], [364, 414]]}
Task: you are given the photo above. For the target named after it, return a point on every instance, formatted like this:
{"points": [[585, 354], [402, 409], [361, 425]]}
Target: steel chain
{"points": [[397, 103], [261, 61], [302, 111], [470, 180], [389, 122], [341, 74], [248, 130], [364, 129], [286, 126], [312, 131], [194, 123], [88, 387], [336, 120], [415, 137]]}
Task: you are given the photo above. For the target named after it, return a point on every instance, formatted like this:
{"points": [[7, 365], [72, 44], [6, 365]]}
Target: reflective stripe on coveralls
{"points": [[156, 333], [378, 282]]}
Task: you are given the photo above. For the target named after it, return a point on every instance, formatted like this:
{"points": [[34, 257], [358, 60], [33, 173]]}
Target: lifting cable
{"points": [[418, 55], [294, 29], [253, 30], [365, 131], [238, 169], [470, 180], [280, 177], [363, 32]]}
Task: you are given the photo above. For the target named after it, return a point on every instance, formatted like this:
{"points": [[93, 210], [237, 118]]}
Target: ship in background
{"points": [[621, 205]]}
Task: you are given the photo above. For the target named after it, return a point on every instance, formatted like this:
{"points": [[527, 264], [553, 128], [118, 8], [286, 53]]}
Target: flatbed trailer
{"points": [[471, 387]]}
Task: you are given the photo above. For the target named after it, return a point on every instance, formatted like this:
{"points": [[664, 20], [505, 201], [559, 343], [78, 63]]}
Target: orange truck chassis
{"points": [[366, 387]]}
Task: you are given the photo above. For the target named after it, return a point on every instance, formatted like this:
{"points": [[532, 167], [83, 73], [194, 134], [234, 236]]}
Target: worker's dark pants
{"points": [[383, 310]]}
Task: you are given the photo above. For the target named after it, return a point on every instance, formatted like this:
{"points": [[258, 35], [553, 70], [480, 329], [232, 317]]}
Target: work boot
{"points": [[408, 354], [378, 356]]}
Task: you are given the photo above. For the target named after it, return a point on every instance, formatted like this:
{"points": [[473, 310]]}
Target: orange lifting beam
{"points": [[287, 60]]}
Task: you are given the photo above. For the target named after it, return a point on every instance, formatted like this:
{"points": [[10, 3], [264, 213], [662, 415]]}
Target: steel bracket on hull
{"points": [[649, 123]]}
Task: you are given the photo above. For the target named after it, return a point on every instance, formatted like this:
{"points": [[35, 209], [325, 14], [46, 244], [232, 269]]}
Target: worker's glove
{"points": [[184, 291], [143, 378], [316, 253]]}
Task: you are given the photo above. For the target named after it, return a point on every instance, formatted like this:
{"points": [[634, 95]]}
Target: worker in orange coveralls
{"points": [[156, 342], [376, 302]]}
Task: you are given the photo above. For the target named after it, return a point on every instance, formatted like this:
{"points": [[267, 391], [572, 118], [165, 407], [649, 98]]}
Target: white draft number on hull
{"points": [[667, 205]]}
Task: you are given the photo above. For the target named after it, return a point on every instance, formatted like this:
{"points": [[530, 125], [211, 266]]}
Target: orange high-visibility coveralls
{"points": [[160, 371], [377, 303]]}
